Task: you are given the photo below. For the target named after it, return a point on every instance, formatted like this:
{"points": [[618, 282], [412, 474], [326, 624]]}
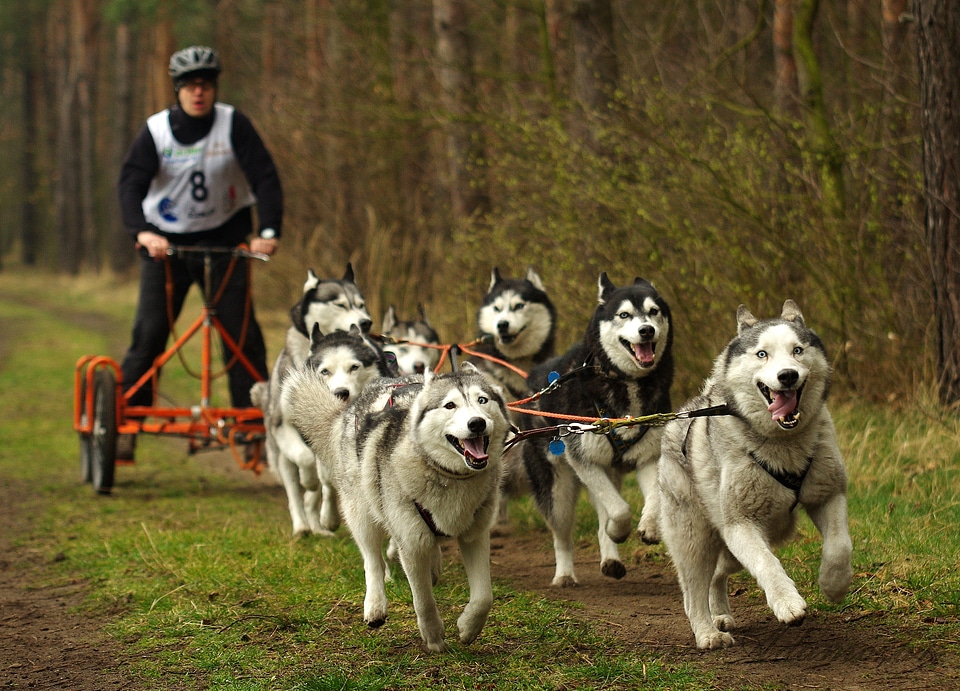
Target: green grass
{"points": [[191, 567]]}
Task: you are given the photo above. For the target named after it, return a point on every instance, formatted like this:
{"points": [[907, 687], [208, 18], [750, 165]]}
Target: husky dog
{"points": [[325, 307], [622, 367], [417, 459], [517, 323], [406, 337], [730, 485]]}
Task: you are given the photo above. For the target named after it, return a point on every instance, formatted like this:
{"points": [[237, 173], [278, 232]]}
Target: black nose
{"points": [[788, 377], [503, 327], [342, 394], [477, 425], [647, 332], [419, 367], [365, 325]]}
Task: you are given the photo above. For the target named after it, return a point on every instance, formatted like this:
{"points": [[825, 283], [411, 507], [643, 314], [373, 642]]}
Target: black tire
{"points": [[86, 440], [103, 444]]}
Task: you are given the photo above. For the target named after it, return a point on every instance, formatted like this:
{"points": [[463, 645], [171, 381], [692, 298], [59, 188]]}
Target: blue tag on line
{"points": [[552, 377], [557, 447]]}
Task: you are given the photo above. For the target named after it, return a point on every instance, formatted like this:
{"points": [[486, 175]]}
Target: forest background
{"points": [[727, 150]]}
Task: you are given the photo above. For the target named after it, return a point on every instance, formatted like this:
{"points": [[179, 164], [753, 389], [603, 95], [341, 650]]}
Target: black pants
{"points": [[151, 326]]}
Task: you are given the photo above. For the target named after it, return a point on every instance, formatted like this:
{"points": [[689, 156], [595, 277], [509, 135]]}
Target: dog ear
{"points": [[534, 278], [745, 319], [389, 320], [422, 312], [316, 334], [605, 286], [311, 282], [348, 274], [469, 367], [791, 313], [494, 278]]}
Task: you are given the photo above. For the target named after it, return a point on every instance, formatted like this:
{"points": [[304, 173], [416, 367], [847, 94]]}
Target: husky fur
{"points": [[325, 307], [624, 368], [416, 459], [403, 339], [730, 485]]}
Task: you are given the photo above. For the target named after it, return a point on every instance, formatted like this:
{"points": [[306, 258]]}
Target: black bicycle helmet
{"points": [[201, 60]]}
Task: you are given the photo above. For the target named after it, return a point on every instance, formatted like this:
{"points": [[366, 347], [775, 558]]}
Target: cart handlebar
{"points": [[239, 251]]}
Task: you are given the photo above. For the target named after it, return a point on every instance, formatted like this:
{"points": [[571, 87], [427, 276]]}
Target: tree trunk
{"points": [[785, 67], [65, 179], [84, 50], [121, 249], [465, 143], [938, 51], [595, 61], [828, 156]]}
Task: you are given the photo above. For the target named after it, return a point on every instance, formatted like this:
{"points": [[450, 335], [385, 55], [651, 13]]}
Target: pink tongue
{"points": [[474, 447], [784, 403], [644, 353]]}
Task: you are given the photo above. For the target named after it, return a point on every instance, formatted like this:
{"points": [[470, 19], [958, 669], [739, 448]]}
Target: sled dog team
{"points": [[362, 427]]}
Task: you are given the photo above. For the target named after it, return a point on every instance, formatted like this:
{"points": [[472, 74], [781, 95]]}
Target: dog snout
{"points": [[342, 393], [788, 377], [477, 425], [503, 327], [365, 325], [419, 368], [647, 332]]}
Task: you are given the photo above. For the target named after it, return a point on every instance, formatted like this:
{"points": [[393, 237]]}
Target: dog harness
{"points": [[428, 519], [792, 481]]}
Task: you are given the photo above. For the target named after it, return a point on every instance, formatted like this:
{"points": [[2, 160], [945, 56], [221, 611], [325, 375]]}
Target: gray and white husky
{"points": [[417, 459], [730, 485], [623, 367], [326, 306], [404, 339]]}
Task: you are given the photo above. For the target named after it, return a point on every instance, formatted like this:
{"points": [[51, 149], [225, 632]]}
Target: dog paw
{"points": [[613, 569], [790, 610], [436, 646], [725, 622], [376, 622], [836, 582], [714, 640], [565, 582], [618, 530], [649, 536]]}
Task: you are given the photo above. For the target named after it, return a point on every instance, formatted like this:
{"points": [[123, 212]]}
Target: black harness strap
{"points": [[428, 519], [792, 481], [620, 445]]}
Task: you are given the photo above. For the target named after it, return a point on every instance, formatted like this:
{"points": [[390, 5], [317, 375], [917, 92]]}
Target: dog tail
{"points": [[313, 410]]}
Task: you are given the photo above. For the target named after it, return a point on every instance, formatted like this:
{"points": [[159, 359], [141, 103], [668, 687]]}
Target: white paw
{"points": [[724, 622], [714, 640], [790, 610], [565, 581]]}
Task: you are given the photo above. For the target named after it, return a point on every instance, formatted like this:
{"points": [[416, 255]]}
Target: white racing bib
{"points": [[199, 186]]}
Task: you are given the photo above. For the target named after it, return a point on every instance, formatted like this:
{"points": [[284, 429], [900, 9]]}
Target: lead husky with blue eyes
{"points": [[622, 367], [730, 485], [417, 459]]}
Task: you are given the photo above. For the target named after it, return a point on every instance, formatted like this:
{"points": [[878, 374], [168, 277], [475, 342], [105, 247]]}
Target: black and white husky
{"points": [[417, 459], [623, 367], [326, 306], [517, 322], [730, 485], [404, 339]]}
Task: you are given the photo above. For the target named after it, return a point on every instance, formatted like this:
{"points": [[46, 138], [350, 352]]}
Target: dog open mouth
{"points": [[473, 450], [643, 352], [783, 406], [508, 338]]}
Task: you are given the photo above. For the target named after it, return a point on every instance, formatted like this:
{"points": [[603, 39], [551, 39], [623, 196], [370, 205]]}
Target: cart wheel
{"points": [[86, 439], [103, 442]]}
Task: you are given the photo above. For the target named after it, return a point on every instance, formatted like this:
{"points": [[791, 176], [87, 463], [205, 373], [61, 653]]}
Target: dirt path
{"points": [[46, 647], [645, 608]]}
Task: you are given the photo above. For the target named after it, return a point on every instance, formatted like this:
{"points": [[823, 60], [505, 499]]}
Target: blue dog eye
{"points": [[761, 354]]}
